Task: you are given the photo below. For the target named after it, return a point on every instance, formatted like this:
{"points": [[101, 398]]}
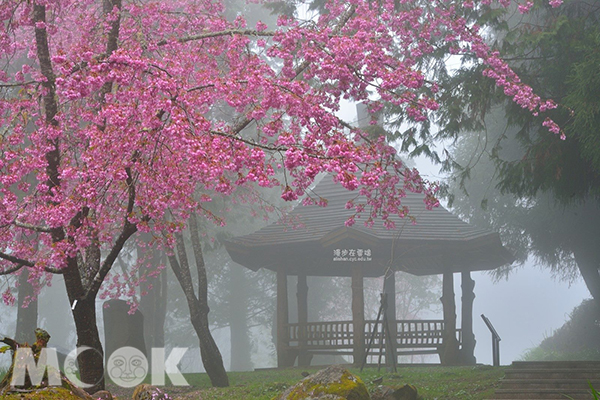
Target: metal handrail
{"points": [[495, 341]]}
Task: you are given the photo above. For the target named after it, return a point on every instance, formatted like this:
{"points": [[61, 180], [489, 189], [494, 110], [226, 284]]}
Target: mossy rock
{"points": [[47, 393], [68, 391], [332, 383]]}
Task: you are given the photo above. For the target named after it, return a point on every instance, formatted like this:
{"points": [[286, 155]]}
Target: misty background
{"points": [[524, 308]]}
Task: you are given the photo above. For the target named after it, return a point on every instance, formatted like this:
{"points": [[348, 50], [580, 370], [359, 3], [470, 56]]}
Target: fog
{"points": [[524, 309]]}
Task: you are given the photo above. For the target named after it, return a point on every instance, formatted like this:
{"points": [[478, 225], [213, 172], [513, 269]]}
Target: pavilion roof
{"points": [[324, 246]]}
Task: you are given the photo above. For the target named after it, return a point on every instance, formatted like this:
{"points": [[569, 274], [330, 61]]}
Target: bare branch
{"points": [[16, 260], [58, 271], [112, 42], [200, 265], [17, 84], [20, 263], [248, 142], [187, 284], [128, 230], [201, 87], [176, 267], [228, 32], [344, 18], [11, 270], [11, 343], [35, 228]]}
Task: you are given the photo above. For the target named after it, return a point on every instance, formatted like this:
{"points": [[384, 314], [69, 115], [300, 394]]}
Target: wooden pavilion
{"points": [[439, 243]]}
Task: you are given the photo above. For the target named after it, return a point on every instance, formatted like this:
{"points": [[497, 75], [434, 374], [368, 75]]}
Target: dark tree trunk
{"points": [[238, 321], [26, 316], [81, 297], [588, 262], [198, 305], [91, 362], [211, 356], [82, 290], [83, 308]]}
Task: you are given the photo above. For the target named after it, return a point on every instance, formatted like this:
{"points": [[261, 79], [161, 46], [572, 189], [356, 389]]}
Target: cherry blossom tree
{"points": [[105, 128]]}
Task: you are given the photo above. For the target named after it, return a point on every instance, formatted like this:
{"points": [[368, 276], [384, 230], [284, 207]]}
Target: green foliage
{"points": [[542, 354], [595, 393], [512, 175], [577, 339], [448, 383], [466, 97], [557, 55], [555, 51], [584, 98]]}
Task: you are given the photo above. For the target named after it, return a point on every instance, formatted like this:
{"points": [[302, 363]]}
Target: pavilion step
{"points": [[549, 380], [556, 364], [553, 373], [578, 394], [554, 384]]}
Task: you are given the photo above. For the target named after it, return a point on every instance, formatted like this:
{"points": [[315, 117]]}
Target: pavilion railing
{"points": [[340, 334]]}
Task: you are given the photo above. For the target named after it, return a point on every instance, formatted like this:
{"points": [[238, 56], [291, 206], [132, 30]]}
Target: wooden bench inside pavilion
{"points": [[439, 243]]}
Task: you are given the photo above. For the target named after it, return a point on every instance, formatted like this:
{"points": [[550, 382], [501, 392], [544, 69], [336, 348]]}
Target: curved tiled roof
{"points": [[439, 241]]}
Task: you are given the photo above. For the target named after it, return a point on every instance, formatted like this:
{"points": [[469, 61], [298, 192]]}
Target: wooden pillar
{"points": [[282, 319], [449, 354], [358, 315], [468, 337], [302, 296], [389, 289]]}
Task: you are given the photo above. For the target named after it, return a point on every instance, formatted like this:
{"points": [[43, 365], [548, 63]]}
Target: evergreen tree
{"points": [[542, 193]]}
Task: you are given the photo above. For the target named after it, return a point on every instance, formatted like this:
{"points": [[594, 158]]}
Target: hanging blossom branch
{"points": [[499, 70], [35, 228], [20, 263]]}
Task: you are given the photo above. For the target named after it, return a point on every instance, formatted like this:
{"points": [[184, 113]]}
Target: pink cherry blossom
{"points": [[130, 120]]}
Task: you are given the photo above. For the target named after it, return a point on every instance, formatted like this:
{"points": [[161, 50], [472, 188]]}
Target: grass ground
{"points": [[435, 382]]}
